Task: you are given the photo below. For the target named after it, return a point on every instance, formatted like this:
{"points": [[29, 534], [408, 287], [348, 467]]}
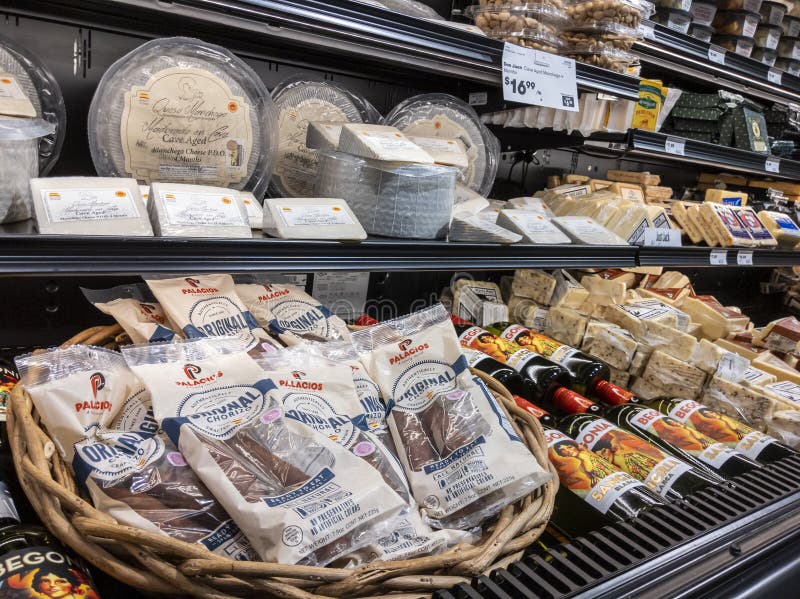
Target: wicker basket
{"points": [[160, 564]]}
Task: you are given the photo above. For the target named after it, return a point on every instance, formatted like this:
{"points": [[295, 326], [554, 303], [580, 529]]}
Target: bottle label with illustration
{"points": [[585, 473], [535, 342], [642, 460], [483, 341], [44, 572], [687, 439]]}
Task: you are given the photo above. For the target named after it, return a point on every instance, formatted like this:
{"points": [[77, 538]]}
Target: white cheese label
{"points": [[188, 209], [478, 98], [718, 258], [66, 205], [731, 367], [10, 88], [343, 293], [314, 215], [744, 257], [538, 320], [775, 76], [13, 99], [788, 391], [772, 165]]}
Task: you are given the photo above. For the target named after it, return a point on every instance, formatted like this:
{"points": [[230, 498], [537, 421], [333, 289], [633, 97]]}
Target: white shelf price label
{"points": [[647, 30], [744, 257], [675, 145], [716, 54], [772, 165], [662, 237], [775, 76], [718, 258], [478, 98], [539, 78]]}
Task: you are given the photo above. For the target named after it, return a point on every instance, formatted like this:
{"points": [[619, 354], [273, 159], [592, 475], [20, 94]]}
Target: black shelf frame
{"points": [[688, 56]]}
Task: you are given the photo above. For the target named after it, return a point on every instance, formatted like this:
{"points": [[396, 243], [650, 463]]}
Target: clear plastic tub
{"points": [[703, 12], [791, 25], [740, 44], [789, 65], [748, 5], [673, 18], [789, 47], [19, 163], [736, 22], [533, 16], [530, 38], [599, 36], [618, 61], [768, 36], [412, 201], [772, 13], [701, 32], [764, 56], [624, 12]]}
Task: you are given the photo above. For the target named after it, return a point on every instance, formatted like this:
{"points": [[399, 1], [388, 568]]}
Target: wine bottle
{"points": [[544, 417], [665, 474], [611, 394], [503, 373], [724, 429], [585, 371], [543, 375]]}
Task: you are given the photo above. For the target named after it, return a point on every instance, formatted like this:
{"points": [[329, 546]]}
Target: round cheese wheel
{"points": [[442, 115], [299, 101], [185, 111]]}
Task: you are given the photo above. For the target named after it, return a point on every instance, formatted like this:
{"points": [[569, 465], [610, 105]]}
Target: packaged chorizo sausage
{"points": [[137, 312]]}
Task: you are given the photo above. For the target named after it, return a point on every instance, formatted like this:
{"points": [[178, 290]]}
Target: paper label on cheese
{"points": [[642, 460], [10, 88], [784, 222], [314, 215], [585, 473], [683, 437], [732, 367], [645, 311], [777, 342], [68, 205], [752, 223], [731, 222], [787, 390], [632, 194], [638, 232], [186, 125], [538, 319], [188, 209], [13, 99], [444, 127]]}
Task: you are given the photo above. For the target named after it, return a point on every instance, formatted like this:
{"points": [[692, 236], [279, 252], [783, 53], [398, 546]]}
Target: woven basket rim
{"points": [[160, 564]]}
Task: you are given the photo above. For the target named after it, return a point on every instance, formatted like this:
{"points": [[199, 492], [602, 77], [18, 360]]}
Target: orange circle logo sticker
{"points": [[437, 125], [6, 80], [226, 200], [120, 194], [233, 107], [336, 209]]}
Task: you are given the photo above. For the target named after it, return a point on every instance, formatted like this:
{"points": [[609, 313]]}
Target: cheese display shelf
{"points": [[689, 57], [704, 256]]}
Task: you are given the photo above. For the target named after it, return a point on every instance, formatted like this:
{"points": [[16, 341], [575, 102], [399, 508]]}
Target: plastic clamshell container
{"points": [[764, 56], [19, 163], [772, 13], [529, 38], [791, 25], [736, 22], [768, 36], [748, 5], [559, 4], [789, 65], [534, 16], [740, 44], [618, 61], [676, 4], [624, 12], [789, 47], [703, 12], [673, 18], [600, 36], [701, 32]]}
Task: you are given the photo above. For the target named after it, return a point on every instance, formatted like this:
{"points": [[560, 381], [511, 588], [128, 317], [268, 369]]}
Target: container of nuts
{"points": [[595, 36], [534, 16], [530, 38], [612, 59], [624, 12], [559, 4]]}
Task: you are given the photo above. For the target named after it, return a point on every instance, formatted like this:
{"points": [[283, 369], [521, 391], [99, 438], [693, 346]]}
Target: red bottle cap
{"points": [[458, 320], [571, 402], [612, 394], [365, 321], [529, 407]]}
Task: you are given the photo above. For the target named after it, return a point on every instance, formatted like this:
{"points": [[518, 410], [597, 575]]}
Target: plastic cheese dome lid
{"points": [[300, 100], [41, 88], [16, 129], [412, 8], [442, 115], [182, 110]]}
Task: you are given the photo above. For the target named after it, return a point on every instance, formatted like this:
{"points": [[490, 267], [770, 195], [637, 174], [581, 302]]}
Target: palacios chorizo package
{"points": [[286, 310], [462, 458], [133, 472], [208, 306], [298, 496], [321, 394], [137, 312]]}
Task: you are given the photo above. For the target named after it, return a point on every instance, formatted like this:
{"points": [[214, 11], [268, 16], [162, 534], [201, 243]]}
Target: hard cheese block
{"points": [[587, 231], [724, 196], [769, 362], [751, 406], [179, 210], [479, 302], [311, 218], [727, 227], [471, 227], [755, 377], [89, 206], [605, 291], [715, 319], [708, 234], [565, 325], [781, 335], [568, 292], [323, 136], [782, 227], [673, 376], [534, 284], [681, 215], [761, 235], [449, 152], [381, 142], [615, 346], [534, 227], [255, 213]]}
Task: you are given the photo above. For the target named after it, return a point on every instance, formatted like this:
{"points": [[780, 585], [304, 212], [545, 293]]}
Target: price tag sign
{"points": [[539, 78], [675, 145], [744, 258], [775, 76], [772, 165], [647, 30], [478, 98], [662, 237], [718, 258], [716, 54]]}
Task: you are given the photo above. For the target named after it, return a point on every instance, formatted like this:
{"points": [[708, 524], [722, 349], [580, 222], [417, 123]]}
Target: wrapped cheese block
{"points": [[566, 325], [321, 135], [537, 285], [89, 206], [381, 142], [780, 335], [673, 377], [182, 110], [311, 218], [782, 227], [751, 406], [255, 213], [180, 210], [535, 228]]}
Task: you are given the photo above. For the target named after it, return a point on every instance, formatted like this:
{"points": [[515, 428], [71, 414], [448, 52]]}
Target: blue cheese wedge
{"points": [[89, 206], [751, 406], [568, 292], [673, 377], [615, 346], [381, 142], [311, 218]]}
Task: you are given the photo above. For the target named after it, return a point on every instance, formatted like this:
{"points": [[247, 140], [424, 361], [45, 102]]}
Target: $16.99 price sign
{"points": [[539, 78]]}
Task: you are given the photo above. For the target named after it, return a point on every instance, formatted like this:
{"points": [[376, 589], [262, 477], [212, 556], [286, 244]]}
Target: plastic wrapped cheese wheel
{"points": [[442, 115], [184, 111], [300, 100], [41, 88]]}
